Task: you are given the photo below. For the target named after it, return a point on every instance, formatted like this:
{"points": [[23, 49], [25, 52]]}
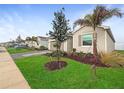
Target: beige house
{"points": [[66, 46], [82, 40], [31, 44], [51, 43], [41, 41]]}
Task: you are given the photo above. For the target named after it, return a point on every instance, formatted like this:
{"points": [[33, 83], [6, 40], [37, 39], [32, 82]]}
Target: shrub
{"points": [[55, 53], [43, 48], [112, 59], [80, 54], [86, 58], [48, 54], [74, 50], [32, 48], [89, 54]]}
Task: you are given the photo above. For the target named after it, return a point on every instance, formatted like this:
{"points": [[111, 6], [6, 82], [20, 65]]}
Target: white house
{"points": [[41, 41], [82, 40], [66, 45]]}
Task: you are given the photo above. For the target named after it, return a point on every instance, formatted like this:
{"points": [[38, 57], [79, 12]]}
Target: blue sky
{"points": [[35, 20]]}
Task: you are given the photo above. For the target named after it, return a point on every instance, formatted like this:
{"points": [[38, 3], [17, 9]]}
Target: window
{"points": [[87, 40]]}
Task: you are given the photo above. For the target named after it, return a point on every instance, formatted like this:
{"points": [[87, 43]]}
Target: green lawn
{"points": [[17, 50], [74, 75], [120, 51]]}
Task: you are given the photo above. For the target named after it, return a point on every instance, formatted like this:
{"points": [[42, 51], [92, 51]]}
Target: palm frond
{"points": [[116, 12], [99, 15], [82, 22]]}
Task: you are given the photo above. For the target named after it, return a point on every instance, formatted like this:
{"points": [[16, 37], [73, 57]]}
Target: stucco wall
{"points": [[51, 43], [89, 30], [110, 45], [101, 39], [65, 46], [32, 44], [70, 45], [42, 42]]}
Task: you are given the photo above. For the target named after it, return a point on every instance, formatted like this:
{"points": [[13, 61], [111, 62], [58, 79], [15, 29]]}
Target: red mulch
{"points": [[87, 59], [55, 65]]}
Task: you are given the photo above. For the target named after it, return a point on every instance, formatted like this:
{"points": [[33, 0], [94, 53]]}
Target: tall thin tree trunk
{"points": [[95, 43], [58, 52], [95, 53]]}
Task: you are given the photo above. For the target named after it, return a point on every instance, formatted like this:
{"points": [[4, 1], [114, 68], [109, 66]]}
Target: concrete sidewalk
{"points": [[10, 76]]}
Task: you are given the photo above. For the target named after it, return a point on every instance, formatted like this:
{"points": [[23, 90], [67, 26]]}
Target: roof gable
{"points": [[106, 28]]}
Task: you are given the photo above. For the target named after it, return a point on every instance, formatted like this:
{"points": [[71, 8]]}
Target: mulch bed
{"points": [[88, 59], [55, 65]]}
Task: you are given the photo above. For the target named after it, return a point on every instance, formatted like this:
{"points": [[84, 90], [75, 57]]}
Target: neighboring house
{"points": [[31, 43], [41, 41], [18, 43], [82, 40], [51, 43], [6, 44], [65, 46], [13, 44]]}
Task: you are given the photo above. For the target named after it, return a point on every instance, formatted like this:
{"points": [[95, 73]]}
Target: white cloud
{"points": [[8, 27]]}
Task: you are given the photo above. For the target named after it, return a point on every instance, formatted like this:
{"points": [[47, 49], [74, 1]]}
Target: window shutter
{"points": [[79, 40]]}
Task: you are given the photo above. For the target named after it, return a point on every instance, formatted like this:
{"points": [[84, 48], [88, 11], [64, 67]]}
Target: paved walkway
{"points": [[10, 76], [27, 54]]}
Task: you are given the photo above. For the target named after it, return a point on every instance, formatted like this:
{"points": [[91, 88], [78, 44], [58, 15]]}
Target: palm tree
{"points": [[100, 14], [34, 39], [28, 38]]}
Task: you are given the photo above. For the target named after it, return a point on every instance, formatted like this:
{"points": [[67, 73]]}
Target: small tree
{"points": [[60, 31]]}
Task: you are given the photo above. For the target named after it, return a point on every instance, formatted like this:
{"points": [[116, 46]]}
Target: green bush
{"points": [[74, 50], [32, 48], [80, 53], [43, 48], [89, 54], [55, 54]]}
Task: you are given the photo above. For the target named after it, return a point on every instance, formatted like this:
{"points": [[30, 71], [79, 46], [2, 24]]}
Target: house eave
{"points": [[106, 28]]}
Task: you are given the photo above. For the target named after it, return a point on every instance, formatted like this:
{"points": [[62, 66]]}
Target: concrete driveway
{"points": [[27, 54]]}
